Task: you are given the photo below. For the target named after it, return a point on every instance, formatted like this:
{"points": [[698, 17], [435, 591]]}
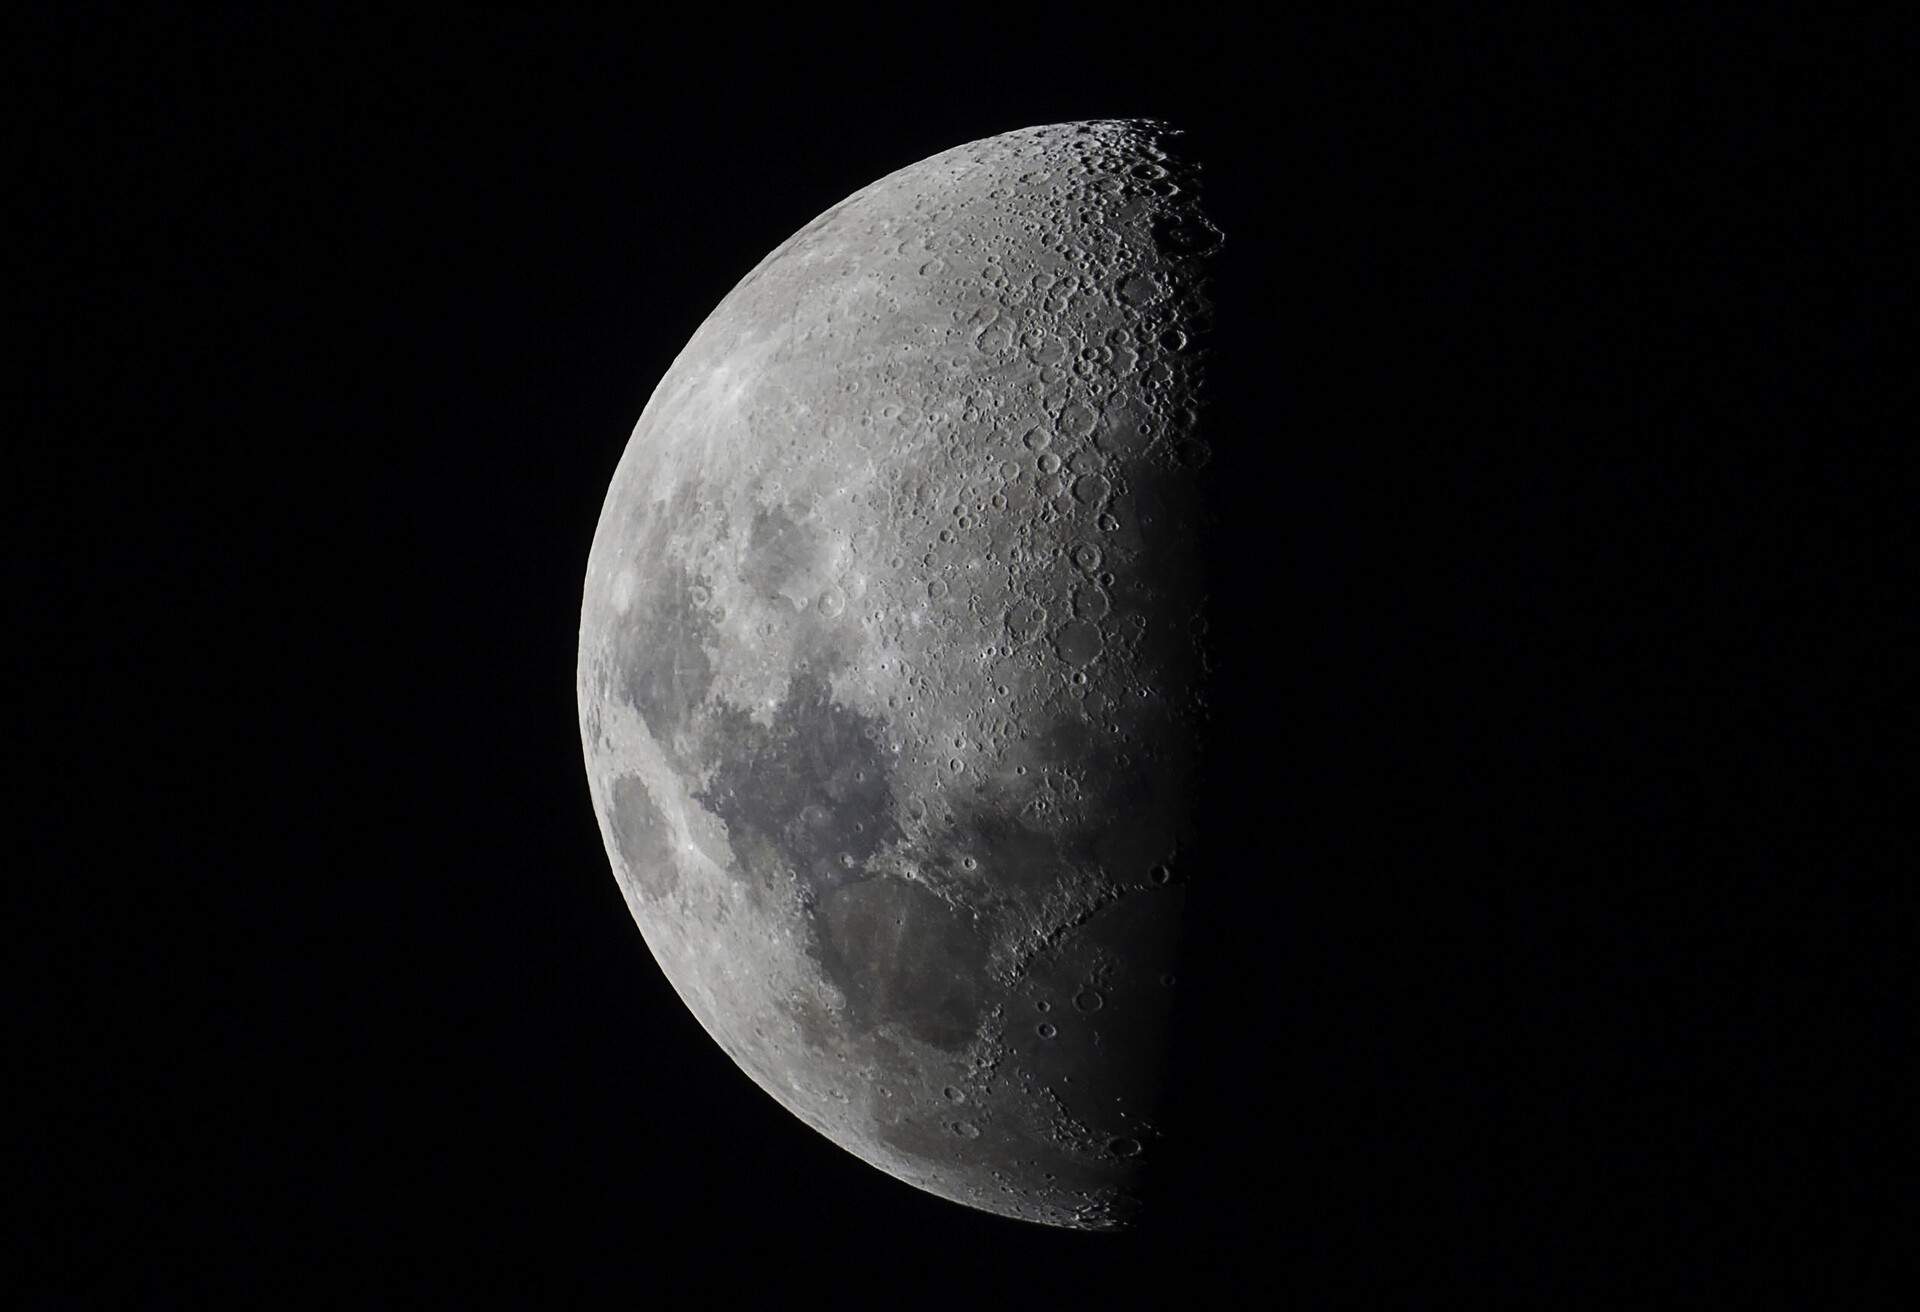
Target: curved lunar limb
{"points": [[890, 680]]}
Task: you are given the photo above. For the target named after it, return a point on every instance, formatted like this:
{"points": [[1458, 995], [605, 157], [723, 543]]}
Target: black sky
{"points": [[1549, 945]]}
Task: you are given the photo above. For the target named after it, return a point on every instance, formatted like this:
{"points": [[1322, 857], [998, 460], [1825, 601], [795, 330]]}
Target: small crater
{"points": [[1185, 234], [1025, 619], [1091, 602], [1127, 431], [1078, 641], [1091, 489], [1078, 419]]}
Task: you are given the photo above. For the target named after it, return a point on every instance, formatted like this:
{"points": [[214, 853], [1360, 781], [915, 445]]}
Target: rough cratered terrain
{"points": [[890, 668]]}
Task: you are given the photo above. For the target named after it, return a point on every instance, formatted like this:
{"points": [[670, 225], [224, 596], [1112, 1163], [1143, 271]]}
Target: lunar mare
{"points": [[891, 676]]}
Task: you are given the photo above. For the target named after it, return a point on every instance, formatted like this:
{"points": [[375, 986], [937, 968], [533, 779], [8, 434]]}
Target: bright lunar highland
{"points": [[892, 671]]}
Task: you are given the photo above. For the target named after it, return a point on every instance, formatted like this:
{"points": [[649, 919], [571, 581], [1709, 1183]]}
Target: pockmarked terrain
{"points": [[892, 666]]}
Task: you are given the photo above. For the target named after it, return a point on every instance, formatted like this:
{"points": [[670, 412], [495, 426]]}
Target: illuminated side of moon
{"points": [[889, 676]]}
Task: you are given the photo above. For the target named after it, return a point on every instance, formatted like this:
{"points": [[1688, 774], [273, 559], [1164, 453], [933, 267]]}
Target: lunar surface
{"points": [[892, 670]]}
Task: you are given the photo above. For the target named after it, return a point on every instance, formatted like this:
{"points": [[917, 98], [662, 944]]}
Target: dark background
{"points": [[1550, 944]]}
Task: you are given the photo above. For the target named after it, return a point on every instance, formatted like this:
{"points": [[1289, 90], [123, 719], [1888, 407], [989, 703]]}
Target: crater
{"points": [[660, 651], [783, 557], [644, 837], [901, 956]]}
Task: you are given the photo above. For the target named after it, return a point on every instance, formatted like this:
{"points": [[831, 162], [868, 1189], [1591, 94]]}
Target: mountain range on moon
{"points": [[893, 664]]}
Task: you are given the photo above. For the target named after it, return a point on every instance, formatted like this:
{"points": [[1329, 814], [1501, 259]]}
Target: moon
{"points": [[892, 669]]}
